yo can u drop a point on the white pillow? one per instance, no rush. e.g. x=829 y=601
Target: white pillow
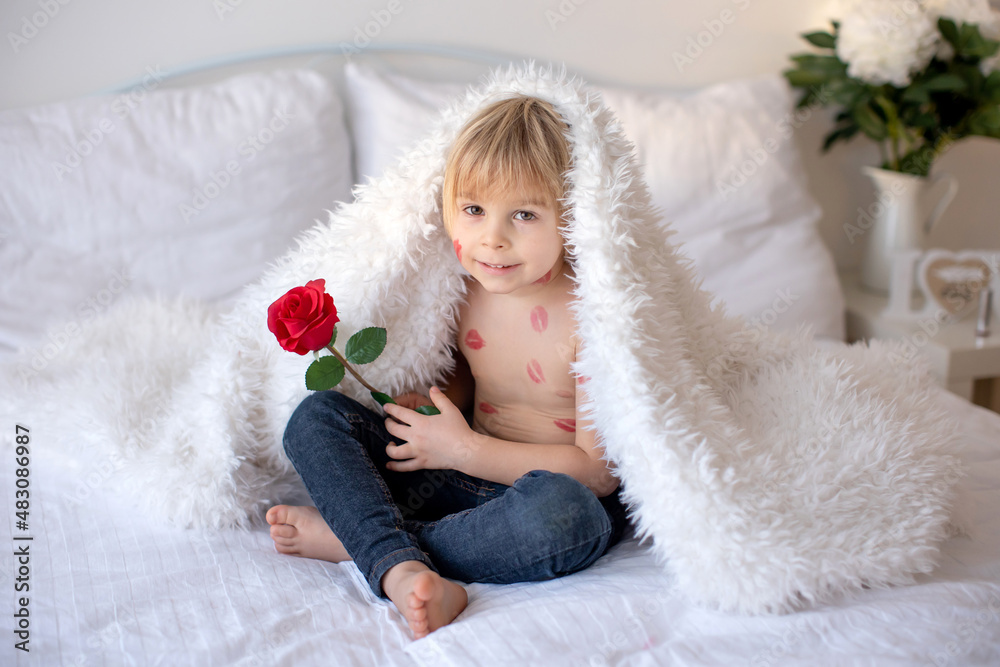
x=752 y=235
x=390 y=112
x=172 y=191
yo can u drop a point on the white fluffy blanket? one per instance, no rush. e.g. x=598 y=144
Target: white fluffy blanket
x=767 y=470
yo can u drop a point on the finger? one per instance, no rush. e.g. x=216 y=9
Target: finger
x=404 y=451
x=400 y=413
x=393 y=424
x=409 y=465
x=441 y=400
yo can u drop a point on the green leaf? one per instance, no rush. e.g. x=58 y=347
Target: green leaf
x=428 y=410
x=840 y=134
x=925 y=120
x=365 y=346
x=822 y=39
x=991 y=87
x=813 y=62
x=870 y=122
x=326 y=373
x=843 y=91
x=918 y=161
x=802 y=78
x=985 y=122
x=949 y=31
x=382 y=398
x=945 y=82
x=917 y=93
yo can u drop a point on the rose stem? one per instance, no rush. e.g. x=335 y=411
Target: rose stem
x=351 y=369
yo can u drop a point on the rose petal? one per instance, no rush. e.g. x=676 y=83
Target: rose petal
x=295 y=326
x=319 y=334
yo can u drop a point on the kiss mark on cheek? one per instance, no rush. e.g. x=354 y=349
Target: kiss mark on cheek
x=539 y=319
x=458 y=249
x=562 y=393
x=487 y=408
x=566 y=424
x=545 y=279
x=474 y=340
x=535 y=372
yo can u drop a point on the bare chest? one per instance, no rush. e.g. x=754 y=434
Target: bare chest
x=520 y=356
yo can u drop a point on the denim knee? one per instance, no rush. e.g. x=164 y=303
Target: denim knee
x=318 y=408
x=564 y=512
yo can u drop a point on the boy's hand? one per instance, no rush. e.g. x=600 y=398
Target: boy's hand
x=433 y=442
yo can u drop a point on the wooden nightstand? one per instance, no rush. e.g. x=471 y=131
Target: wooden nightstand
x=958 y=361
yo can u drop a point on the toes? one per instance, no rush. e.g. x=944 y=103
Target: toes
x=283 y=530
x=415 y=602
x=424 y=586
x=277 y=514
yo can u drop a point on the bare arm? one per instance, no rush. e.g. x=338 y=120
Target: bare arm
x=504 y=462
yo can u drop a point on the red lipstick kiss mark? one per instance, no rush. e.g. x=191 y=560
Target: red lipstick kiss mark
x=544 y=279
x=583 y=379
x=562 y=393
x=458 y=249
x=566 y=424
x=487 y=408
x=539 y=319
x=535 y=372
x=474 y=340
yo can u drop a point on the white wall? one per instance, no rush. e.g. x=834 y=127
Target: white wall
x=89 y=45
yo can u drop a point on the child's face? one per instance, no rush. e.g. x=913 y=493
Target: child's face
x=509 y=242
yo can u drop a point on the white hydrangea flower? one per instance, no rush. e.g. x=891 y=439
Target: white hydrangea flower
x=966 y=11
x=885 y=41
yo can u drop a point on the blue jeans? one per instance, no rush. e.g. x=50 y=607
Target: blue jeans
x=546 y=525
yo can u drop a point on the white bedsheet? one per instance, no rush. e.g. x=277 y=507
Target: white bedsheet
x=108 y=589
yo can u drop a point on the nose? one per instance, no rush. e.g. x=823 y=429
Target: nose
x=495 y=232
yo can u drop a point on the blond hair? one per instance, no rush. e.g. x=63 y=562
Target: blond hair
x=515 y=145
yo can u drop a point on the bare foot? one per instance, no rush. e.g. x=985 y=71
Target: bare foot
x=427 y=600
x=301 y=531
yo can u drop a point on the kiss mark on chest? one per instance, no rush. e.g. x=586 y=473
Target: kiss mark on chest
x=568 y=425
x=486 y=408
x=474 y=340
x=458 y=249
x=539 y=319
x=583 y=379
x=535 y=372
x=562 y=393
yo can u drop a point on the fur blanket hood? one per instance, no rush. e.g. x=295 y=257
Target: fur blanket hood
x=767 y=470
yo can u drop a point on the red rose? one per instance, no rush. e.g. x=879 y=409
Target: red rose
x=303 y=319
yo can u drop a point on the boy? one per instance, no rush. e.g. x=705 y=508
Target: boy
x=520 y=495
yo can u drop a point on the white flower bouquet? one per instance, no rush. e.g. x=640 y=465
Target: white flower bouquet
x=914 y=76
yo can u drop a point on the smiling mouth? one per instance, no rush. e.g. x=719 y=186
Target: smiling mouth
x=497 y=269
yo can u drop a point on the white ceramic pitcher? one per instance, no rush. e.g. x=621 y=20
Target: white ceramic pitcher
x=905 y=211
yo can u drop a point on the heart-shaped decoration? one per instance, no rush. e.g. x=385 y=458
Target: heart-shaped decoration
x=953 y=281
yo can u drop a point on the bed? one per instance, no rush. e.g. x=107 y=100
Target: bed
x=167 y=187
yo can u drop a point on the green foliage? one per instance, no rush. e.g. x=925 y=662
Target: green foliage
x=946 y=101
x=428 y=410
x=324 y=373
x=382 y=398
x=365 y=346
